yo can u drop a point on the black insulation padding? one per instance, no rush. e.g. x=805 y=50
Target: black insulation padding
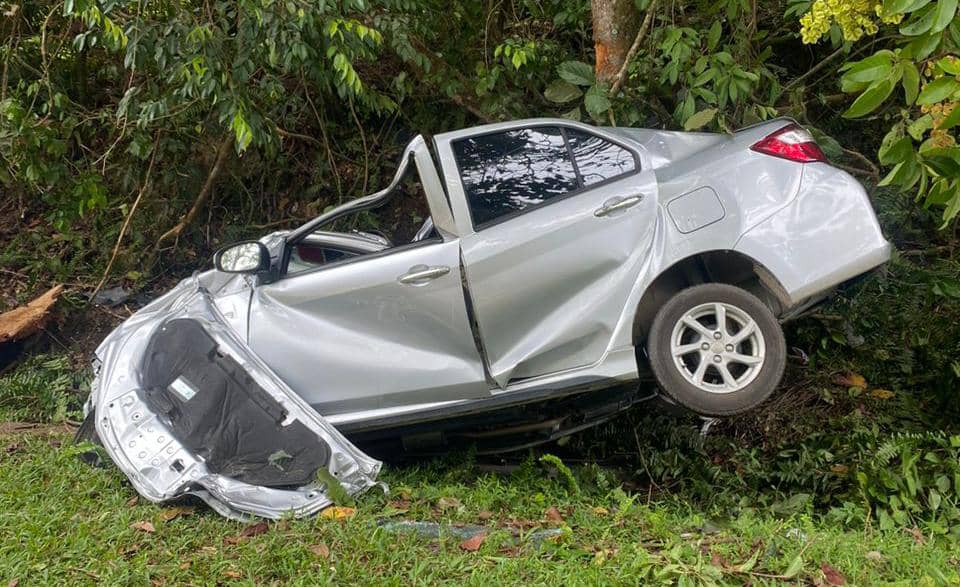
x=229 y=420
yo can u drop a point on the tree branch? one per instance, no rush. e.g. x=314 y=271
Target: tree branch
x=126 y=221
x=226 y=144
x=641 y=35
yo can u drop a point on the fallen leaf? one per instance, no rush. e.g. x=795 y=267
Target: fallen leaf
x=321 y=550
x=553 y=514
x=184 y=565
x=338 y=513
x=831 y=575
x=717 y=560
x=248 y=532
x=175 y=512
x=473 y=543
x=133 y=501
x=399 y=505
x=600 y=511
x=25 y=320
x=917 y=535
x=232 y=574
x=445 y=503
x=485 y=515
x=881 y=394
x=143 y=526
x=874 y=556
x=851 y=379
x=255 y=529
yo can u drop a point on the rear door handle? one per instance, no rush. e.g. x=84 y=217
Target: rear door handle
x=616 y=204
x=422 y=274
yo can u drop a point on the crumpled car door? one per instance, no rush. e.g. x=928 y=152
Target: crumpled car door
x=183 y=407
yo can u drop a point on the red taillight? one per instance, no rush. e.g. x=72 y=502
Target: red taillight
x=791 y=142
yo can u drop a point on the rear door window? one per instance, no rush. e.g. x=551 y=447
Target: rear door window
x=598 y=159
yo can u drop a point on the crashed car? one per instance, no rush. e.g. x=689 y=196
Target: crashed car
x=558 y=264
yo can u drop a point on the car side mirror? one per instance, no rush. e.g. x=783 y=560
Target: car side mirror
x=242 y=257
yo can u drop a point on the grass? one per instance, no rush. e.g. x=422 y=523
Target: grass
x=65 y=522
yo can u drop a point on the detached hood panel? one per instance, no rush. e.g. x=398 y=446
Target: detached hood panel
x=183 y=407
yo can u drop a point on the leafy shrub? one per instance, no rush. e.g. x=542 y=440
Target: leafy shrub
x=914 y=478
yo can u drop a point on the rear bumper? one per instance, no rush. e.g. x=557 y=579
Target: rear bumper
x=828 y=234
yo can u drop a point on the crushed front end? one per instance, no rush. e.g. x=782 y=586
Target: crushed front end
x=183 y=407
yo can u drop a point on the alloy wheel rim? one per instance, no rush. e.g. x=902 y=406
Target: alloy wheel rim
x=717 y=347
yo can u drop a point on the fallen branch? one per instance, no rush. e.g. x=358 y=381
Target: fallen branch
x=23 y=321
x=222 y=151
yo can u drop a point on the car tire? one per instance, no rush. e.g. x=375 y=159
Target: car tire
x=716 y=371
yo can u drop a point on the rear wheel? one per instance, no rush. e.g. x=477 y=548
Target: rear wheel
x=716 y=349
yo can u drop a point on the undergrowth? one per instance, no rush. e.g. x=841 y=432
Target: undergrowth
x=43 y=388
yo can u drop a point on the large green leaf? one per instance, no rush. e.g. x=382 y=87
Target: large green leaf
x=910 y=81
x=700 y=119
x=898 y=6
x=938 y=90
x=921 y=48
x=561 y=91
x=896 y=152
x=950 y=66
x=921 y=22
x=920 y=126
x=596 y=101
x=870 y=69
x=713 y=37
x=952 y=209
x=951 y=120
x=871 y=98
x=945 y=161
x=943 y=14
x=577 y=73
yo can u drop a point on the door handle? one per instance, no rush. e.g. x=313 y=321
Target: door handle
x=615 y=204
x=421 y=274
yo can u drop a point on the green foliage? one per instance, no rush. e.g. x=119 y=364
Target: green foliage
x=919 y=59
x=41 y=389
x=915 y=478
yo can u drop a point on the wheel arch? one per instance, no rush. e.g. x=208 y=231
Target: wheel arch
x=715 y=266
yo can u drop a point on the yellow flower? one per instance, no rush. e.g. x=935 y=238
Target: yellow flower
x=855 y=18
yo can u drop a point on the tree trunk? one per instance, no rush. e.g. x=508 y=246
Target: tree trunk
x=615 y=24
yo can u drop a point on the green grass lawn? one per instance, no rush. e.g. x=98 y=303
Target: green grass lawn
x=64 y=522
